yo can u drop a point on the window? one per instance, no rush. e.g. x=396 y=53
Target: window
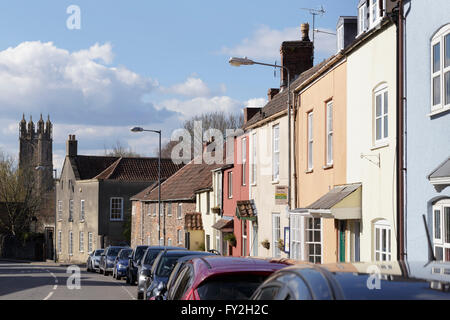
x=254 y=142
x=169 y=209
x=161 y=209
x=179 y=211
x=441 y=230
x=116 y=209
x=90 y=242
x=148 y=240
x=382 y=241
x=59 y=241
x=199 y=202
x=329 y=141
x=154 y=205
x=82 y=210
x=295 y=246
x=71 y=210
x=81 y=241
x=276 y=153
x=381 y=115
x=244 y=160
x=340 y=38
x=70 y=243
x=208 y=202
x=208 y=242
x=149 y=208
x=314 y=240
x=179 y=236
x=440 y=70
x=169 y=241
x=244 y=238
x=276 y=234
x=161 y=241
x=310 y=141
x=59 y=210
x=374 y=12
x=230 y=184
x=362 y=19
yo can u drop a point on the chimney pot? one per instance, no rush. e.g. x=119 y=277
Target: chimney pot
x=304 y=28
x=72 y=146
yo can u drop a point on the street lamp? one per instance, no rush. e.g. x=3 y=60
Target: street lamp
x=139 y=129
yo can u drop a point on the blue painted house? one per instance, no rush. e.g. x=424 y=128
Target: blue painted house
x=428 y=128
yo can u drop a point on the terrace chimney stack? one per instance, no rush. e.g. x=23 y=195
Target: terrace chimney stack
x=72 y=146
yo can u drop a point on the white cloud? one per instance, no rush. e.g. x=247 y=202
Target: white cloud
x=192 y=87
x=265 y=43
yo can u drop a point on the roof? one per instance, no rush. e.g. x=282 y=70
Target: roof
x=246 y=209
x=182 y=185
x=224 y=225
x=334 y=196
x=121 y=168
x=279 y=101
x=442 y=171
x=193 y=221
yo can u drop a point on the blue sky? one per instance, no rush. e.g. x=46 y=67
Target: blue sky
x=149 y=63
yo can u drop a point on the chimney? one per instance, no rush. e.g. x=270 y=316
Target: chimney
x=297 y=56
x=249 y=113
x=71 y=146
x=272 y=92
x=346 y=30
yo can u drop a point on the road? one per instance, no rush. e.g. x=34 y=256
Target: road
x=47 y=281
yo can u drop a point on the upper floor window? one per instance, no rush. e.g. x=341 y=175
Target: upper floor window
x=116 y=209
x=441 y=230
x=340 y=38
x=59 y=209
x=230 y=184
x=169 y=209
x=71 y=210
x=310 y=140
x=329 y=133
x=254 y=142
x=276 y=152
x=82 y=215
x=381 y=119
x=179 y=211
x=244 y=159
x=440 y=70
x=362 y=18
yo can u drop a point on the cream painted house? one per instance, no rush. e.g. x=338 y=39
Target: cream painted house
x=371 y=135
x=204 y=204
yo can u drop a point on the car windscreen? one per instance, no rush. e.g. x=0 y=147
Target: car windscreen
x=166 y=265
x=230 y=287
x=151 y=256
x=98 y=252
x=139 y=253
x=124 y=254
x=113 y=252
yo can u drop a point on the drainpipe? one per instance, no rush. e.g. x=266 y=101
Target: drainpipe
x=400 y=136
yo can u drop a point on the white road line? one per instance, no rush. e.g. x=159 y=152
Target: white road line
x=132 y=297
x=55 y=287
x=49 y=295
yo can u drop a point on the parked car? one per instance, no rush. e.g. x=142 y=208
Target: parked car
x=221 y=278
x=133 y=263
x=107 y=259
x=163 y=267
x=359 y=281
x=121 y=263
x=93 y=261
x=145 y=266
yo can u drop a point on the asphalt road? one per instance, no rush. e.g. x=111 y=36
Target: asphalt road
x=47 y=281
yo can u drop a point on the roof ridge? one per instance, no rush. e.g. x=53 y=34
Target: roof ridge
x=111 y=169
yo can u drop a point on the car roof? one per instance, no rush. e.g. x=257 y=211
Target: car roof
x=165 y=247
x=181 y=252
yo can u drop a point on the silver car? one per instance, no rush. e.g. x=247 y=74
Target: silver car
x=93 y=262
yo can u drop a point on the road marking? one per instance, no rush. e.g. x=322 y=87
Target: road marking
x=55 y=287
x=49 y=295
x=133 y=297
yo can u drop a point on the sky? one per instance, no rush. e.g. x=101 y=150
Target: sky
x=141 y=63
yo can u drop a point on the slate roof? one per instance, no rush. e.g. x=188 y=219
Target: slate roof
x=182 y=185
x=121 y=168
x=193 y=221
x=442 y=171
x=279 y=101
x=334 y=196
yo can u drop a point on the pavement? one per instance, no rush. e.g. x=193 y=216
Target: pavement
x=25 y=280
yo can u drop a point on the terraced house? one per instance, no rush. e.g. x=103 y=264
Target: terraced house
x=93 y=199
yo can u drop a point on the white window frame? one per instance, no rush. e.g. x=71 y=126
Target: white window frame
x=276 y=234
x=313 y=242
x=439 y=38
x=82 y=210
x=296 y=237
x=374 y=13
x=244 y=226
x=111 y=208
x=169 y=209
x=329 y=133
x=443 y=242
x=340 y=38
x=382 y=225
x=310 y=141
x=179 y=236
x=362 y=19
x=276 y=153
x=254 y=157
x=383 y=117
x=90 y=242
x=60 y=204
x=81 y=241
x=244 y=159
x=154 y=206
x=169 y=241
x=70 y=210
x=230 y=184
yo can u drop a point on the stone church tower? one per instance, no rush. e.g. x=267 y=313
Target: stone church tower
x=36 y=154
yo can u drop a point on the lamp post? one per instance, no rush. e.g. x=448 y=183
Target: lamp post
x=139 y=129
x=237 y=62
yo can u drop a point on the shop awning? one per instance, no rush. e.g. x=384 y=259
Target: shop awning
x=342 y=203
x=440 y=177
x=224 y=225
x=246 y=210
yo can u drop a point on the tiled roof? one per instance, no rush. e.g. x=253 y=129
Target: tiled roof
x=279 y=101
x=193 y=221
x=224 y=225
x=245 y=209
x=182 y=185
x=121 y=169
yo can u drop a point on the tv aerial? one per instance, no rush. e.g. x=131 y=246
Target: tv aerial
x=314 y=13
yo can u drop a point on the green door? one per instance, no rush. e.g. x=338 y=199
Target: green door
x=342 y=241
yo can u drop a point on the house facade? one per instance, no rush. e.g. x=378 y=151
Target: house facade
x=93 y=199
x=427 y=84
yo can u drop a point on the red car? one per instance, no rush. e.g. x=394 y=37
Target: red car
x=221 y=278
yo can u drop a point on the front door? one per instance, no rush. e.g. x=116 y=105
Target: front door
x=342 y=241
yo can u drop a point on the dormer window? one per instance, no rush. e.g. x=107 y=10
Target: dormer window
x=340 y=38
x=374 y=12
x=362 y=18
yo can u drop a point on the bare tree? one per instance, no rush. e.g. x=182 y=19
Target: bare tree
x=18 y=196
x=119 y=150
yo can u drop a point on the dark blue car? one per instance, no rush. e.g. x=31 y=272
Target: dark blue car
x=121 y=263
